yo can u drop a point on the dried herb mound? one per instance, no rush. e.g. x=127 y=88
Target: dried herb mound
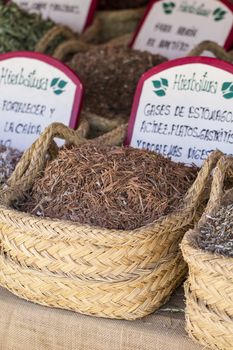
x=110 y=76
x=9 y=157
x=20 y=30
x=121 y=4
x=112 y=187
x=217 y=235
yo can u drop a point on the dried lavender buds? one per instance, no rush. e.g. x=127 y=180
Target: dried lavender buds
x=217 y=235
x=112 y=187
x=9 y=157
x=110 y=76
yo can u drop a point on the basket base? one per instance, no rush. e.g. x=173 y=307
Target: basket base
x=121 y=300
x=207 y=326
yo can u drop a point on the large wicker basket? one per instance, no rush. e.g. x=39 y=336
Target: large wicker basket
x=95 y=271
x=209 y=289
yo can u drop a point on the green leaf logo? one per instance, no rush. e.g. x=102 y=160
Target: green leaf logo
x=227 y=90
x=168 y=7
x=219 y=14
x=58 y=85
x=54 y=81
x=160 y=86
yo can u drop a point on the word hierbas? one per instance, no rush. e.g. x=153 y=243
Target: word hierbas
x=25 y=108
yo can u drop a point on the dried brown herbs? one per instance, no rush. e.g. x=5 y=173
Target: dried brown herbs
x=110 y=75
x=112 y=187
x=217 y=235
x=9 y=157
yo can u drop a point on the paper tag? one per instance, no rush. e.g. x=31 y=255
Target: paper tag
x=76 y=14
x=183 y=109
x=35 y=91
x=173 y=28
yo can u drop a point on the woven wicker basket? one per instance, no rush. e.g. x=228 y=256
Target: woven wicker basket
x=209 y=290
x=96 y=271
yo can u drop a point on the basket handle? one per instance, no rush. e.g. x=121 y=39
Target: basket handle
x=199 y=186
x=34 y=158
x=69 y=47
x=49 y=37
x=223 y=170
x=212 y=47
x=91 y=34
x=78 y=44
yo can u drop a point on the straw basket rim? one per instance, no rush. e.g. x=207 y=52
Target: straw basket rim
x=16 y=215
x=190 y=240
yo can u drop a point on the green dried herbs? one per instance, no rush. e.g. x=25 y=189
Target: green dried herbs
x=112 y=187
x=217 y=235
x=20 y=30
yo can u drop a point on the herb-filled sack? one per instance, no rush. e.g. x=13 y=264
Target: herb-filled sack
x=96 y=229
x=110 y=74
x=208 y=250
x=21 y=31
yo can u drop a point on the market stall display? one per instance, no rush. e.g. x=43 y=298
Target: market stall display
x=105 y=217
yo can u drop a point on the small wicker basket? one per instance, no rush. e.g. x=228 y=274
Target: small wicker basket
x=209 y=289
x=92 y=270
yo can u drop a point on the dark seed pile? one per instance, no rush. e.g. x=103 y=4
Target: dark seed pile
x=217 y=235
x=110 y=76
x=121 y=4
x=112 y=187
x=9 y=157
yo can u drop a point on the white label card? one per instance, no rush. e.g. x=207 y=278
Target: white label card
x=76 y=14
x=173 y=27
x=183 y=109
x=35 y=91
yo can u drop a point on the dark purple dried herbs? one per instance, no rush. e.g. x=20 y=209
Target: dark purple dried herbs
x=217 y=235
x=9 y=157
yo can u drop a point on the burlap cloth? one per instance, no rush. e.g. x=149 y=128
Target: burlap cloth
x=26 y=326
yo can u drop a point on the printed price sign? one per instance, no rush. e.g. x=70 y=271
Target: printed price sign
x=35 y=91
x=173 y=27
x=183 y=109
x=76 y=14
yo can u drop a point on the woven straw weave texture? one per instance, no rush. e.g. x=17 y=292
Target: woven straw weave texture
x=209 y=289
x=96 y=271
